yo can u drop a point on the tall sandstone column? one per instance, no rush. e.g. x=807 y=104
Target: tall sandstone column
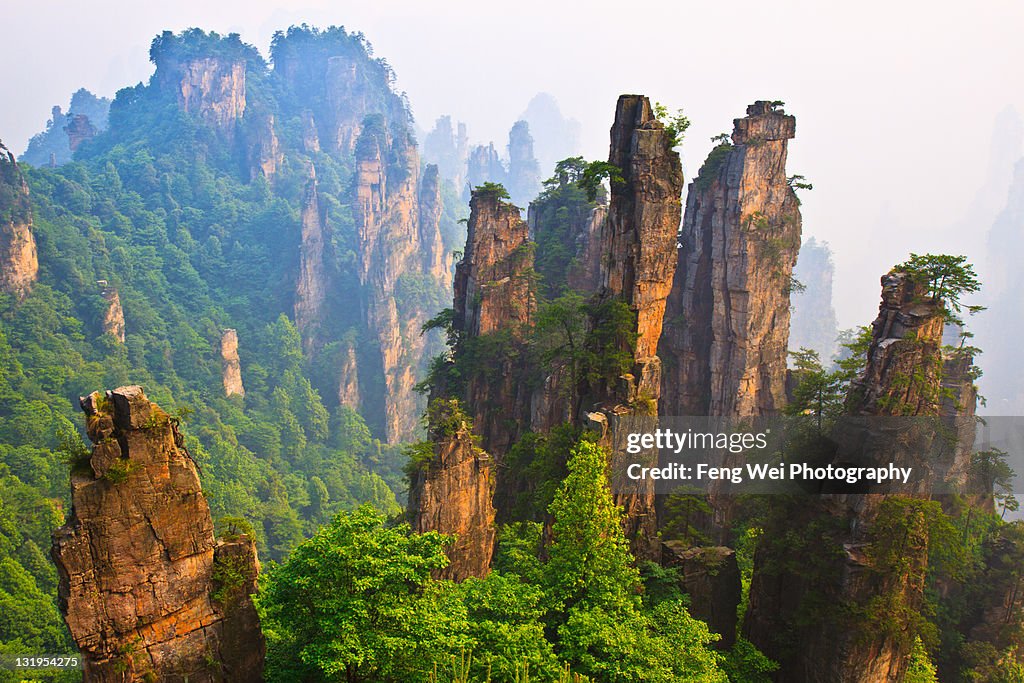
x=401 y=257
x=841 y=573
x=143 y=582
x=638 y=260
x=727 y=326
x=494 y=307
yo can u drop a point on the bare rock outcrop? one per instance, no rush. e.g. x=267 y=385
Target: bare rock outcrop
x=451 y=491
x=232 y=370
x=19 y=263
x=725 y=342
x=523 y=169
x=212 y=88
x=402 y=257
x=894 y=408
x=494 y=299
x=638 y=260
x=265 y=153
x=311 y=287
x=113 y=318
x=140 y=584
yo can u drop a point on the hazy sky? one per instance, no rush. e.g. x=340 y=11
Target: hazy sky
x=895 y=101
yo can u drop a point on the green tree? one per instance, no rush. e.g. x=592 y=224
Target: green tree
x=946 y=278
x=357 y=603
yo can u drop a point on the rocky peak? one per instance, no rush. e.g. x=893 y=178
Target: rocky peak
x=79 y=129
x=452 y=490
x=643 y=218
x=19 y=264
x=138 y=561
x=398 y=223
x=491 y=290
x=232 y=374
x=725 y=345
x=523 y=169
x=638 y=259
x=906 y=342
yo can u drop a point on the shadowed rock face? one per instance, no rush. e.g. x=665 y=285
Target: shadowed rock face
x=141 y=576
x=19 y=264
x=727 y=331
x=452 y=493
x=902 y=378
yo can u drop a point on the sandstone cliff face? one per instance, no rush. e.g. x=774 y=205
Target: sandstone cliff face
x=311 y=288
x=638 y=259
x=19 y=264
x=401 y=258
x=493 y=296
x=265 y=153
x=113 y=319
x=232 y=373
x=483 y=165
x=904 y=364
x=902 y=378
x=79 y=129
x=726 y=339
x=138 y=562
x=211 y=88
x=452 y=493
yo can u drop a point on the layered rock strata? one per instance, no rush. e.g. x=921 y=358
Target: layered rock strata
x=142 y=579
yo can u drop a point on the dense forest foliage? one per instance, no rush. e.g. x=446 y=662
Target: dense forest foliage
x=164 y=209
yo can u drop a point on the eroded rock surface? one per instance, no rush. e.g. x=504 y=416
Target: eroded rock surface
x=232 y=372
x=19 y=263
x=139 y=581
x=452 y=490
x=727 y=332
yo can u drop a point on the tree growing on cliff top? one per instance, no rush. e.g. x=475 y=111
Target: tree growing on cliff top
x=946 y=278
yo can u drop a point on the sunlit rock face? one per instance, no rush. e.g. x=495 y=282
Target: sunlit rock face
x=727 y=333
x=138 y=561
x=19 y=263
